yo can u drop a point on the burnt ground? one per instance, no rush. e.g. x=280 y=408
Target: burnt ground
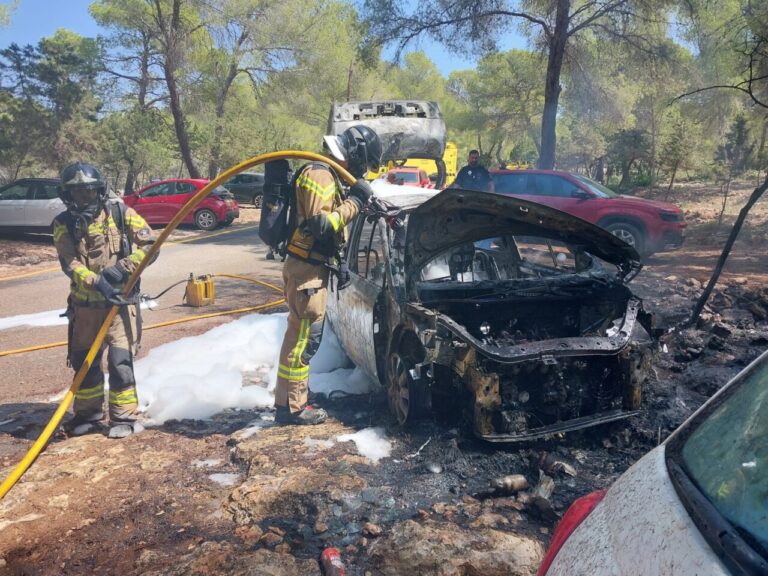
x=237 y=495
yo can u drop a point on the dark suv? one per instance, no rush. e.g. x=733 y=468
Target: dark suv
x=247 y=187
x=647 y=225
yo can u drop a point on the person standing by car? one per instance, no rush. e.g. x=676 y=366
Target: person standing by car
x=99 y=243
x=474 y=176
x=322 y=214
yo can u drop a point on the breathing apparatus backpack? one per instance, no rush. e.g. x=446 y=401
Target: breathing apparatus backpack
x=277 y=215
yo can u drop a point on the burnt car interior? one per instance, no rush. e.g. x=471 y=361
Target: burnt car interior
x=523 y=335
x=509 y=305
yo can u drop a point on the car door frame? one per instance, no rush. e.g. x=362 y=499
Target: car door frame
x=357 y=317
x=12 y=212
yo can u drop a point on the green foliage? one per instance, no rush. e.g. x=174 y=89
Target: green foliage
x=6 y=11
x=737 y=153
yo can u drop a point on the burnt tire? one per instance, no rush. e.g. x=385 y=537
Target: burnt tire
x=405 y=396
x=629 y=233
x=205 y=219
x=258 y=199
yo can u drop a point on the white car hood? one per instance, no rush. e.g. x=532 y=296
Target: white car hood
x=640 y=527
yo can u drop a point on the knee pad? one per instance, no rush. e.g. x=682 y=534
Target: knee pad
x=313 y=342
x=120 y=363
x=94 y=375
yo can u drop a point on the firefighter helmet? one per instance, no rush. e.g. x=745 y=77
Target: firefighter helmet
x=359 y=146
x=81 y=176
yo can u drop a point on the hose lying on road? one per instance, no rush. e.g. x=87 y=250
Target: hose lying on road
x=55 y=420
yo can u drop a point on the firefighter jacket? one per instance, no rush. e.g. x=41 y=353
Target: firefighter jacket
x=96 y=246
x=318 y=191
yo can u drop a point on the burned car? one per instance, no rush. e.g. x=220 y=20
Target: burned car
x=508 y=313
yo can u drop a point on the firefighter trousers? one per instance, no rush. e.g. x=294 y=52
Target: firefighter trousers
x=120 y=341
x=306 y=313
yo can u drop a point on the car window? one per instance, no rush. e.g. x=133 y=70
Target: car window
x=181 y=188
x=595 y=187
x=408 y=176
x=546 y=253
x=46 y=192
x=726 y=455
x=159 y=190
x=510 y=183
x=15 y=192
x=504 y=258
x=371 y=251
x=549 y=185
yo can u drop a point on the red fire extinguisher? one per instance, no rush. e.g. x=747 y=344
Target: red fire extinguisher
x=330 y=561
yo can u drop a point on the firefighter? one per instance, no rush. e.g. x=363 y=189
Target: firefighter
x=322 y=214
x=100 y=242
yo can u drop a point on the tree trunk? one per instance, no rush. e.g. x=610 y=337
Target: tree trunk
x=214 y=165
x=552 y=87
x=170 y=65
x=756 y=194
x=672 y=180
x=130 y=180
x=726 y=191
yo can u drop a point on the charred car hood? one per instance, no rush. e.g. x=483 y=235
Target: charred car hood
x=454 y=217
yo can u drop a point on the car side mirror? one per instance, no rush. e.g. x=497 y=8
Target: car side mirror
x=580 y=194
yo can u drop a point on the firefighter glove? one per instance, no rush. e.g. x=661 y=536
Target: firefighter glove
x=361 y=190
x=344 y=276
x=116 y=274
x=321 y=225
x=110 y=293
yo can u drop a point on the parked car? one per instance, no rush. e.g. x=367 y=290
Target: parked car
x=409 y=176
x=649 y=226
x=694 y=505
x=247 y=187
x=29 y=205
x=508 y=313
x=159 y=202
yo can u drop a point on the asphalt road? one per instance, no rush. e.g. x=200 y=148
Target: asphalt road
x=43 y=373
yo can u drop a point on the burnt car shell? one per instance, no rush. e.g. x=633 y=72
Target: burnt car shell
x=579 y=352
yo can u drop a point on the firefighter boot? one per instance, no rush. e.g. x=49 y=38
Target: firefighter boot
x=84 y=423
x=120 y=429
x=306 y=416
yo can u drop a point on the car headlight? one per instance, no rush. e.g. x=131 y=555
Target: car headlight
x=671 y=216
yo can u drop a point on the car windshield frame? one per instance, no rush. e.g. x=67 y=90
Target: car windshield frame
x=734 y=542
x=595 y=187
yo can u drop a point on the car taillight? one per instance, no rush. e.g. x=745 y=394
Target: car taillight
x=575 y=515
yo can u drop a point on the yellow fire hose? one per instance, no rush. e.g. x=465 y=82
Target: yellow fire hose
x=55 y=420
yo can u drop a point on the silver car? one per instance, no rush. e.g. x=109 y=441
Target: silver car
x=29 y=205
x=697 y=504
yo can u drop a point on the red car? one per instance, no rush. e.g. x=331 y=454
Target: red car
x=409 y=176
x=648 y=225
x=159 y=202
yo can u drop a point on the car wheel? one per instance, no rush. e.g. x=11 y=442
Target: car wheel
x=404 y=395
x=629 y=233
x=257 y=200
x=205 y=219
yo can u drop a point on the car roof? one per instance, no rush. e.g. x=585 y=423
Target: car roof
x=528 y=171
x=406 y=197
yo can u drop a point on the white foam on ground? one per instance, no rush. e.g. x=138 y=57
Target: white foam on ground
x=371 y=443
x=210 y=463
x=49 y=317
x=199 y=376
x=225 y=479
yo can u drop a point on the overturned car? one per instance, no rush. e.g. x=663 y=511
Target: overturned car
x=481 y=306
